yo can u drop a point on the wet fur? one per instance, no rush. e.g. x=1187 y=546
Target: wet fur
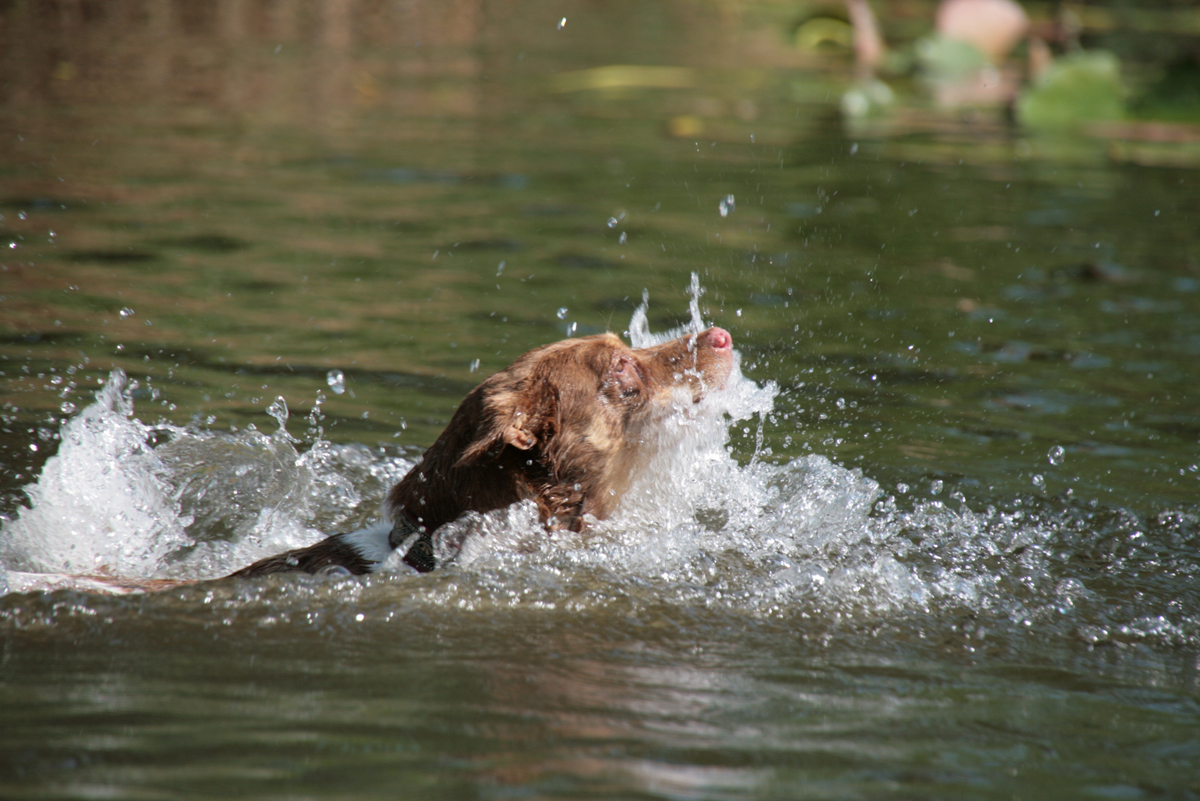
x=566 y=425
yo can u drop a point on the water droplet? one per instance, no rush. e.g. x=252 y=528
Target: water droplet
x=474 y=365
x=841 y=403
x=571 y=329
x=623 y=238
x=902 y=488
x=336 y=380
x=726 y=206
x=279 y=410
x=935 y=487
x=612 y=222
x=562 y=313
x=500 y=269
x=1056 y=455
x=562 y=23
x=126 y=312
x=67 y=407
x=1039 y=481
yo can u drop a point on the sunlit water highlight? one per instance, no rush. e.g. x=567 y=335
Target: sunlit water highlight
x=802 y=540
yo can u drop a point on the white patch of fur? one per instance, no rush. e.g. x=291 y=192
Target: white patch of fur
x=371 y=543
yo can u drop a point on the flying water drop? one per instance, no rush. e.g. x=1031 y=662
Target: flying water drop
x=336 y=380
x=279 y=410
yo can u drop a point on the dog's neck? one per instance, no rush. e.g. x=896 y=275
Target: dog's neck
x=438 y=491
x=435 y=493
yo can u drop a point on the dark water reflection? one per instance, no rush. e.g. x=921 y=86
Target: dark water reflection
x=208 y=698
x=230 y=200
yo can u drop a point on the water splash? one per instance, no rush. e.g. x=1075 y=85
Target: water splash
x=199 y=504
x=806 y=541
x=99 y=504
x=640 y=335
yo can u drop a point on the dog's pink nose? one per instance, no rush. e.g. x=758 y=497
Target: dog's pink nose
x=720 y=339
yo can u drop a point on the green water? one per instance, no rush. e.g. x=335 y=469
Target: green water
x=227 y=202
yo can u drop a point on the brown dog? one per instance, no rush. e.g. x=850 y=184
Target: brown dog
x=566 y=425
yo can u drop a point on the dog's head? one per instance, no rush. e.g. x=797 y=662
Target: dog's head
x=580 y=404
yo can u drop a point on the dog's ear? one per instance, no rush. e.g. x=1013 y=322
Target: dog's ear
x=517 y=435
x=513 y=418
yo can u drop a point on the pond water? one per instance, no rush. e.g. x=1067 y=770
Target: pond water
x=941 y=537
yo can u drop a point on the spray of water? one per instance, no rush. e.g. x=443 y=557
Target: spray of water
x=805 y=539
x=197 y=505
x=104 y=482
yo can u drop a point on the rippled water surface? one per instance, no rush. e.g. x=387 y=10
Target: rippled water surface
x=939 y=538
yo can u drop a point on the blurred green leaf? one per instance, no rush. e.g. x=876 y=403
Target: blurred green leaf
x=1080 y=87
